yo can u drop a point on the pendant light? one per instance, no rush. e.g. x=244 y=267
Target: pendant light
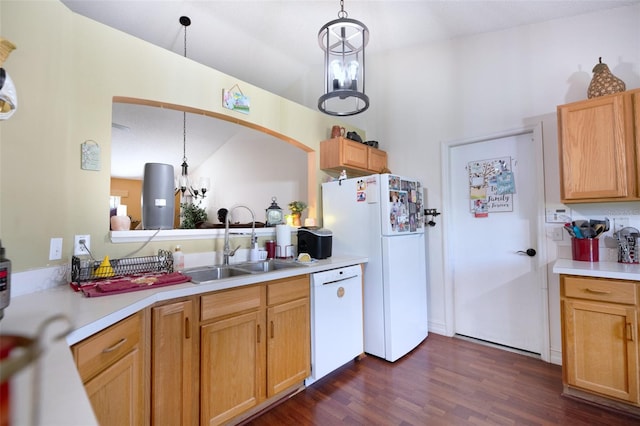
x=343 y=41
x=184 y=182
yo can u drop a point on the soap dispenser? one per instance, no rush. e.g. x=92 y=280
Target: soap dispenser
x=254 y=254
x=178 y=259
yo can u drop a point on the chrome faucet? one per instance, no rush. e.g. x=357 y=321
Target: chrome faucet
x=226 y=251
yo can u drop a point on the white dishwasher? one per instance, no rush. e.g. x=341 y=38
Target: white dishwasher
x=336 y=319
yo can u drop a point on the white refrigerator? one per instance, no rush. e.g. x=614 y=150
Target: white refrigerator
x=381 y=217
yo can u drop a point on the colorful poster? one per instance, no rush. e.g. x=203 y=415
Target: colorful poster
x=491 y=186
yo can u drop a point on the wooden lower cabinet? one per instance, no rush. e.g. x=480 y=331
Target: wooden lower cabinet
x=174 y=364
x=248 y=348
x=113 y=392
x=288 y=342
x=232 y=367
x=600 y=337
x=110 y=364
x=255 y=344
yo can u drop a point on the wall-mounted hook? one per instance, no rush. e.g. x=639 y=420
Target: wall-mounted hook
x=431 y=214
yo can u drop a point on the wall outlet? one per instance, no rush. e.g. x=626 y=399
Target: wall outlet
x=619 y=223
x=55 y=249
x=80 y=249
x=556 y=233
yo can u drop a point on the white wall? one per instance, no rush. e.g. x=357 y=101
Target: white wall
x=251 y=172
x=67 y=69
x=485 y=84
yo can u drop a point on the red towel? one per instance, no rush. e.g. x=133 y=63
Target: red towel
x=133 y=283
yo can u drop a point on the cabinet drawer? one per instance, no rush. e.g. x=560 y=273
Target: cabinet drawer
x=287 y=289
x=229 y=302
x=600 y=289
x=96 y=353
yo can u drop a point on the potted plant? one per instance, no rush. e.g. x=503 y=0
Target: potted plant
x=297 y=207
x=192 y=215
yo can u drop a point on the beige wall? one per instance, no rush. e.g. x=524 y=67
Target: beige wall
x=67 y=69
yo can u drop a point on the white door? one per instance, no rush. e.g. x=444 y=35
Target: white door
x=498 y=289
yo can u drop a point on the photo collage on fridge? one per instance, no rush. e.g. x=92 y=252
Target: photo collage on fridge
x=405 y=198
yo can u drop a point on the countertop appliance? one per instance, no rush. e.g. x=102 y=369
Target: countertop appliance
x=5 y=281
x=336 y=319
x=315 y=241
x=380 y=216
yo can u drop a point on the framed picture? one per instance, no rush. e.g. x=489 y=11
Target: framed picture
x=236 y=101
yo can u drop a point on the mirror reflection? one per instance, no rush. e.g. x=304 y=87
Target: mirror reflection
x=239 y=165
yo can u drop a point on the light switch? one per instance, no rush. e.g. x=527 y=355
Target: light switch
x=55 y=249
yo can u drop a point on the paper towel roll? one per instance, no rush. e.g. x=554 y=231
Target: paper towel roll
x=283 y=235
x=283 y=239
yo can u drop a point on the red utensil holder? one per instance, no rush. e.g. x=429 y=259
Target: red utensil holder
x=585 y=249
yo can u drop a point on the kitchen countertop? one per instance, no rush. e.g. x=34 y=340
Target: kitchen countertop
x=623 y=271
x=62 y=399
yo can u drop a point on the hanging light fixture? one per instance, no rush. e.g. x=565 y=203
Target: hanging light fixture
x=184 y=182
x=343 y=41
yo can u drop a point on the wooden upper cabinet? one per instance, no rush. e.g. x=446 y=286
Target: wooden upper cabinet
x=356 y=158
x=377 y=160
x=597 y=146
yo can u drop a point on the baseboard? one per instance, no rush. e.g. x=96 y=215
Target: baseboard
x=555 y=357
x=602 y=402
x=438 y=328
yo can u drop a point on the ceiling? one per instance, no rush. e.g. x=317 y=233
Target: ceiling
x=281 y=36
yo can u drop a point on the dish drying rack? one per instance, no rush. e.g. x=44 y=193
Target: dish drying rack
x=83 y=270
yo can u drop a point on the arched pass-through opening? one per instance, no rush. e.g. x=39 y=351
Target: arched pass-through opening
x=311 y=155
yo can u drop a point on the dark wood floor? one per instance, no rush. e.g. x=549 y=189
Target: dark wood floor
x=445 y=381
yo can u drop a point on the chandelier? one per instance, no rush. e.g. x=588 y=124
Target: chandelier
x=343 y=41
x=184 y=182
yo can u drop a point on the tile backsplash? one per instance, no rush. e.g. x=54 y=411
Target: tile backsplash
x=620 y=215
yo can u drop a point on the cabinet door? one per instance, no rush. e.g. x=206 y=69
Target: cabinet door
x=172 y=365
x=288 y=347
x=354 y=154
x=232 y=363
x=600 y=352
x=116 y=392
x=377 y=160
x=595 y=140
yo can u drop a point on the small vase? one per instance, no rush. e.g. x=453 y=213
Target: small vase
x=120 y=223
x=296 y=219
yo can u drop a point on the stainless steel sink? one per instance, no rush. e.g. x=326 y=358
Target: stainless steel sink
x=266 y=266
x=212 y=273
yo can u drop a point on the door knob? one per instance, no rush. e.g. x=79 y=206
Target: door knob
x=530 y=252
